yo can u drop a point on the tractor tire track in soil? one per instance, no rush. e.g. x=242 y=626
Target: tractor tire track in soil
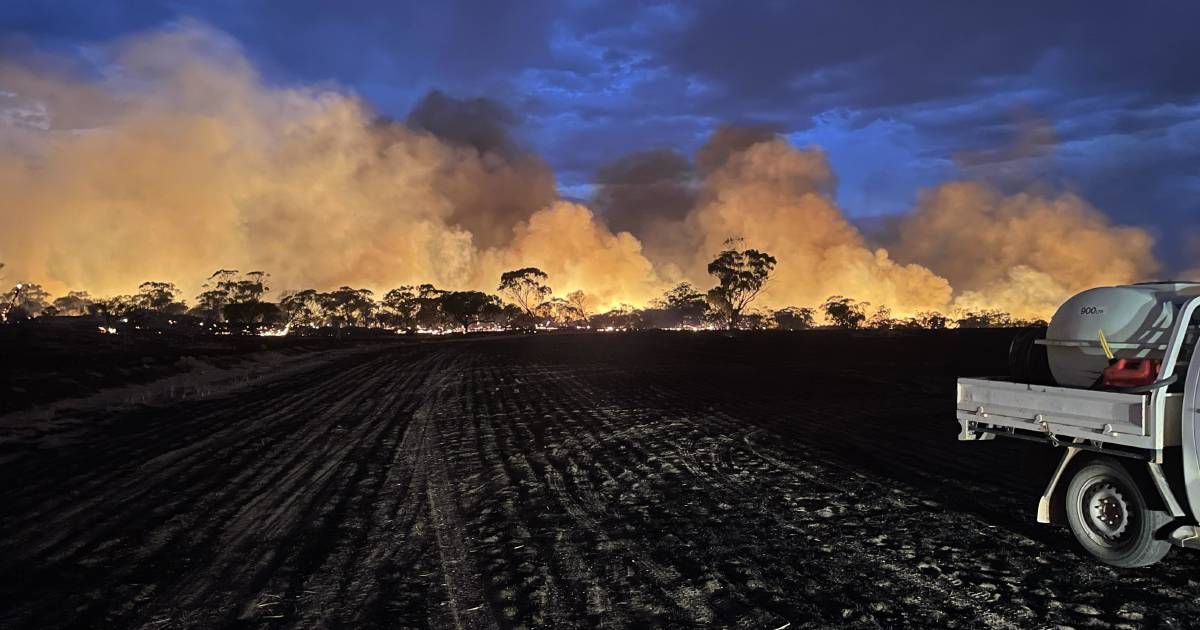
x=569 y=481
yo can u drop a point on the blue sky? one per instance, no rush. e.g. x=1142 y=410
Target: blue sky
x=1102 y=98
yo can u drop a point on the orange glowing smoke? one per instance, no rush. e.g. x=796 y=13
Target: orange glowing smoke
x=180 y=160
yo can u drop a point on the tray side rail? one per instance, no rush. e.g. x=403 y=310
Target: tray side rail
x=1058 y=412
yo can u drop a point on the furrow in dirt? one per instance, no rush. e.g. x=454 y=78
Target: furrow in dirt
x=555 y=481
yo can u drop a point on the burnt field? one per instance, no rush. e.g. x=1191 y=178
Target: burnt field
x=629 y=480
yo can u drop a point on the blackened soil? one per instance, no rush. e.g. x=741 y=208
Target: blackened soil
x=642 y=480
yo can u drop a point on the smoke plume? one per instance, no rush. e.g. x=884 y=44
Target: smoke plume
x=172 y=157
x=964 y=247
x=647 y=193
x=779 y=198
x=567 y=242
x=514 y=180
x=178 y=159
x=1025 y=252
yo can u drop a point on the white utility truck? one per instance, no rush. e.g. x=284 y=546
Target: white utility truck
x=1114 y=380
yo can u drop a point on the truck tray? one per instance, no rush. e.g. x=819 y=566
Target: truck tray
x=1110 y=417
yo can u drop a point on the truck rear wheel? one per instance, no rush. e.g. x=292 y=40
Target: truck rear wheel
x=1110 y=517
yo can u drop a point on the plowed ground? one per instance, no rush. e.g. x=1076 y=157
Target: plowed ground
x=649 y=480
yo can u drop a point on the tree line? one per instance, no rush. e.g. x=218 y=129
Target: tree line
x=523 y=299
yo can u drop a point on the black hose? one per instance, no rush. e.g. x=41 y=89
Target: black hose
x=1027 y=360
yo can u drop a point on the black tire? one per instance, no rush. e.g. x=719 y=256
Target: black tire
x=1110 y=517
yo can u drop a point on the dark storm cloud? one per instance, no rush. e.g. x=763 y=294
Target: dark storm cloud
x=962 y=73
x=68 y=22
x=391 y=51
x=914 y=52
x=963 y=76
x=401 y=42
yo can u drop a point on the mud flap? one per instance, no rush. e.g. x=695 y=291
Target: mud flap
x=1164 y=490
x=1045 y=509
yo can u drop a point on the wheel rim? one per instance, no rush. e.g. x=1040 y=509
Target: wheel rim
x=1106 y=513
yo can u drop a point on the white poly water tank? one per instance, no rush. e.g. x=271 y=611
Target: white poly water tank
x=1136 y=320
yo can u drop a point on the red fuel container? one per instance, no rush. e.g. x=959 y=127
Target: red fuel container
x=1132 y=372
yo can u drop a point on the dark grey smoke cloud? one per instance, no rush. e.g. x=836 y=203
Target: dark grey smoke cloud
x=728 y=140
x=641 y=190
x=481 y=123
x=520 y=181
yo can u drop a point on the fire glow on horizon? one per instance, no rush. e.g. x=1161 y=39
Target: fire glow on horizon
x=182 y=160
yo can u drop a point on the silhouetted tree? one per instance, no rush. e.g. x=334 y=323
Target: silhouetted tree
x=398 y=308
x=932 y=320
x=985 y=319
x=756 y=320
x=116 y=306
x=25 y=300
x=252 y=315
x=251 y=287
x=583 y=305
x=228 y=286
x=845 y=312
x=562 y=312
x=741 y=274
x=467 y=307
x=795 y=318
x=412 y=305
x=74 y=303
x=238 y=298
x=624 y=317
x=526 y=288
x=514 y=317
x=303 y=308
x=882 y=319
x=349 y=306
x=215 y=294
x=682 y=304
x=159 y=297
